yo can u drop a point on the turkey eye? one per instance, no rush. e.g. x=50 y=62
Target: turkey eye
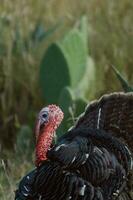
x=44 y=115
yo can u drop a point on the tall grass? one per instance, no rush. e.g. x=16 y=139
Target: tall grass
x=11 y=171
x=111 y=39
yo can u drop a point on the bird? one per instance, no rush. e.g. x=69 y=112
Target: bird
x=92 y=160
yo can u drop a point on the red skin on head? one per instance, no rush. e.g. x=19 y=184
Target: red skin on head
x=46 y=134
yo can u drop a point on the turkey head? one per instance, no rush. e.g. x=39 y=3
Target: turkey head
x=48 y=120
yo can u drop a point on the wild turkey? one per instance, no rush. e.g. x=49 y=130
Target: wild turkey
x=88 y=162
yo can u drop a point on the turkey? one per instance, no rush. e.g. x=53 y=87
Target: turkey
x=92 y=161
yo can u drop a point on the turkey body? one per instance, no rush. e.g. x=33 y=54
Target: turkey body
x=95 y=168
x=92 y=161
x=51 y=182
x=107 y=164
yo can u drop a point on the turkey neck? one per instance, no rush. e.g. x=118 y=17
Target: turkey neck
x=43 y=143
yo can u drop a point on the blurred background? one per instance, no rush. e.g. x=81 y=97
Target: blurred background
x=67 y=52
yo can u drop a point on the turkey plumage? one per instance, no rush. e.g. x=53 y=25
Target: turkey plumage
x=91 y=161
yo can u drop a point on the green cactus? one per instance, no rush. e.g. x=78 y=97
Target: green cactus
x=87 y=83
x=80 y=104
x=74 y=50
x=63 y=65
x=66 y=102
x=83 y=27
x=66 y=99
x=72 y=108
x=54 y=74
x=124 y=83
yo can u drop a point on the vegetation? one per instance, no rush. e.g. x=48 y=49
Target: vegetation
x=59 y=52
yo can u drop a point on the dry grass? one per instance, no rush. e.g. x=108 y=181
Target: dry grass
x=11 y=172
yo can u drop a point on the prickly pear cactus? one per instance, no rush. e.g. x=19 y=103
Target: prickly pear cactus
x=66 y=102
x=79 y=104
x=64 y=64
x=66 y=99
x=54 y=74
x=74 y=50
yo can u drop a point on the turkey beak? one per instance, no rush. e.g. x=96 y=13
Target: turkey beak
x=40 y=124
x=37 y=128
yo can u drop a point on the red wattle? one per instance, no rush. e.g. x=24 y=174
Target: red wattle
x=43 y=144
